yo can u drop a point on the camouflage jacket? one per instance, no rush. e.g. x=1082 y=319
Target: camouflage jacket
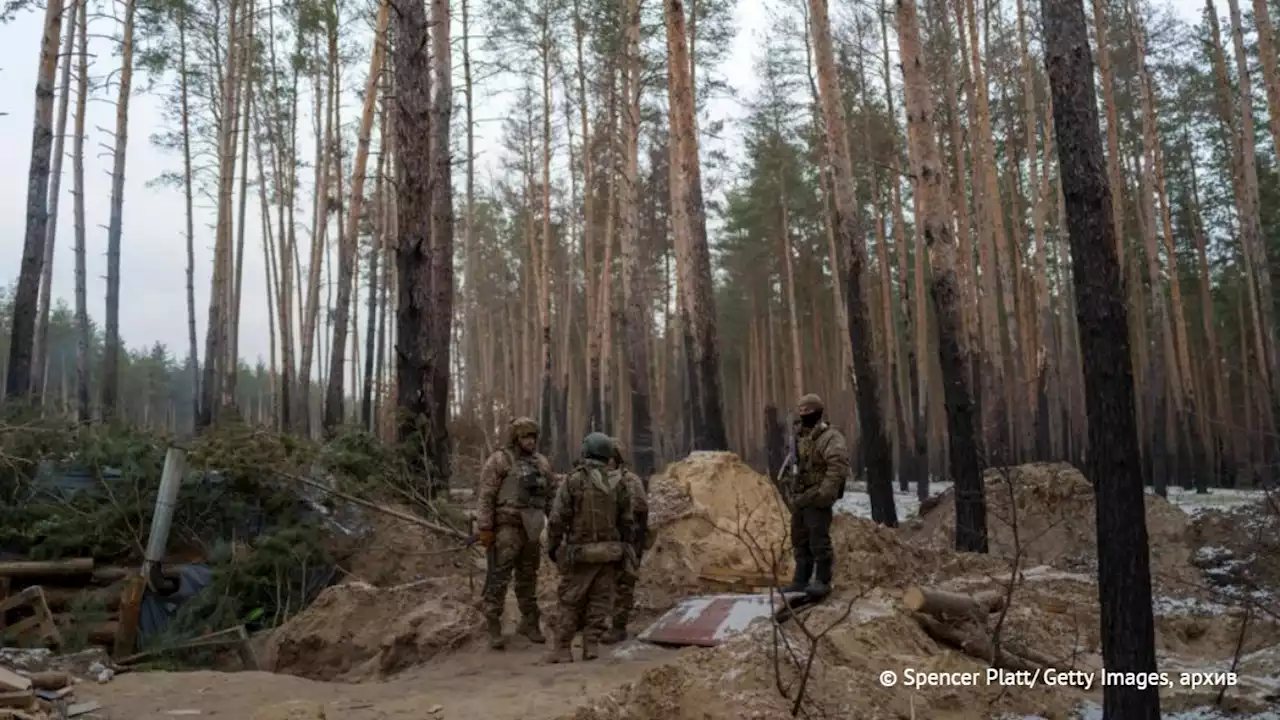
x=591 y=505
x=822 y=464
x=639 y=504
x=512 y=481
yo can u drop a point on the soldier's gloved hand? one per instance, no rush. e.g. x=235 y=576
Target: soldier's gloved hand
x=485 y=538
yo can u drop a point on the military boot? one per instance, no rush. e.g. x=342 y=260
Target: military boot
x=559 y=653
x=800 y=581
x=615 y=634
x=494 y=627
x=589 y=648
x=529 y=628
x=821 y=585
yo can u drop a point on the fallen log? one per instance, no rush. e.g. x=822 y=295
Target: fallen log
x=974 y=643
x=46 y=568
x=62 y=598
x=943 y=604
x=111 y=574
x=51 y=680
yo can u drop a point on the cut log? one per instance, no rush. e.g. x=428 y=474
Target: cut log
x=943 y=604
x=111 y=574
x=23 y=699
x=46 y=568
x=51 y=680
x=974 y=643
x=13 y=682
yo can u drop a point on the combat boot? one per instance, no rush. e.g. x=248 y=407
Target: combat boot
x=821 y=585
x=800 y=581
x=615 y=634
x=494 y=627
x=558 y=653
x=589 y=648
x=529 y=628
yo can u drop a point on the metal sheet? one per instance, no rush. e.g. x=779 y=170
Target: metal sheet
x=709 y=620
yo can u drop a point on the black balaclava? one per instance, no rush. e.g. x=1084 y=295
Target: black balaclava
x=811 y=419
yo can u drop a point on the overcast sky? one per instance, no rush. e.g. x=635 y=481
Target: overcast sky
x=153 y=257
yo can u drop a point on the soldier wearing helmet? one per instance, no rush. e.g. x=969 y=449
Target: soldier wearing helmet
x=822 y=467
x=589 y=533
x=516 y=487
x=625 y=597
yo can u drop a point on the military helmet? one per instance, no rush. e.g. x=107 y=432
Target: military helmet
x=809 y=404
x=598 y=446
x=619 y=447
x=523 y=427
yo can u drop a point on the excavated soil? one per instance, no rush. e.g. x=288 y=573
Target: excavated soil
x=395 y=552
x=1240 y=548
x=1045 y=513
x=355 y=631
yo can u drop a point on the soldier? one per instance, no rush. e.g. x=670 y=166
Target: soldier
x=821 y=469
x=625 y=598
x=588 y=534
x=516 y=486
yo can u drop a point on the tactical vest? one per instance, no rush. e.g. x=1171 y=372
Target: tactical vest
x=594 y=536
x=525 y=485
x=810 y=468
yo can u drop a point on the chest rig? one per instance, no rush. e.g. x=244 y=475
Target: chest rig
x=525 y=485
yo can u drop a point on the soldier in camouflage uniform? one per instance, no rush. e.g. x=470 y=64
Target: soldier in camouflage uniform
x=625 y=597
x=822 y=467
x=516 y=486
x=588 y=536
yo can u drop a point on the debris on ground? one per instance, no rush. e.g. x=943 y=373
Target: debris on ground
x=41 y=695
x=1239 y=548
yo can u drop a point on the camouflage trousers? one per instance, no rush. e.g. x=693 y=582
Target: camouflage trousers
x=513 y=552
x=585 y=595
x=625 y=596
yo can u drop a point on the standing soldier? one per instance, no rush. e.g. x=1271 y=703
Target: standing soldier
x=588 y=537
x=516 y=486
x=821 y=469
x=629 y=574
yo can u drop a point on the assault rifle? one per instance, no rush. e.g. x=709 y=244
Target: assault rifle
x=785 y=481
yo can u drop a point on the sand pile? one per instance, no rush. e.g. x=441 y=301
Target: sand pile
x=1051 y=505
x=737 y=679
x=354 y=631
x=711 y=510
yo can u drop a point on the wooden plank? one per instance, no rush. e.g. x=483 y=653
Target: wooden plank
x=45 y=568
x=20 y=699
x=13 y=682
x=15 y=601
x=130 y=608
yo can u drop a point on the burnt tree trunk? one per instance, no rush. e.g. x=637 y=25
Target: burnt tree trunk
x=1124 y=571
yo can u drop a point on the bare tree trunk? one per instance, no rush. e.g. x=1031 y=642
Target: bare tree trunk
x=111 y=345
x=193 y=348
x=233 y=320
x=83 y=410
x=848 y=226
x=377 y=250
x=27 y=296
x=953 y=354
x=41 y=361
x=348 y=250
x=441 y=189
x=1124 y=574
x=711 y=433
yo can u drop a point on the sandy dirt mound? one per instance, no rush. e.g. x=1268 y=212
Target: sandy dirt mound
x=712 y=510
x=1051 y=505
x=738 y=680
x=395 y=552
x=355 y=631
x=1239 y=549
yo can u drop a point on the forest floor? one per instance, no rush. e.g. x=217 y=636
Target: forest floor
x=402 y=639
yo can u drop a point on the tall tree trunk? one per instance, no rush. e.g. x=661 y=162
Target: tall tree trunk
x=414 y=354
x=233 y=319
x=41 y=361
x=377 y=251
x=83 y=410
x=848 y=226
x=193 y=348
x=1124 y=573
x=953 y=354
x=27 y=296
x=543 y=262
x=348 y=250
x=711 y=433
x=636 y=317
x=115 y=226
x=441 y=188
